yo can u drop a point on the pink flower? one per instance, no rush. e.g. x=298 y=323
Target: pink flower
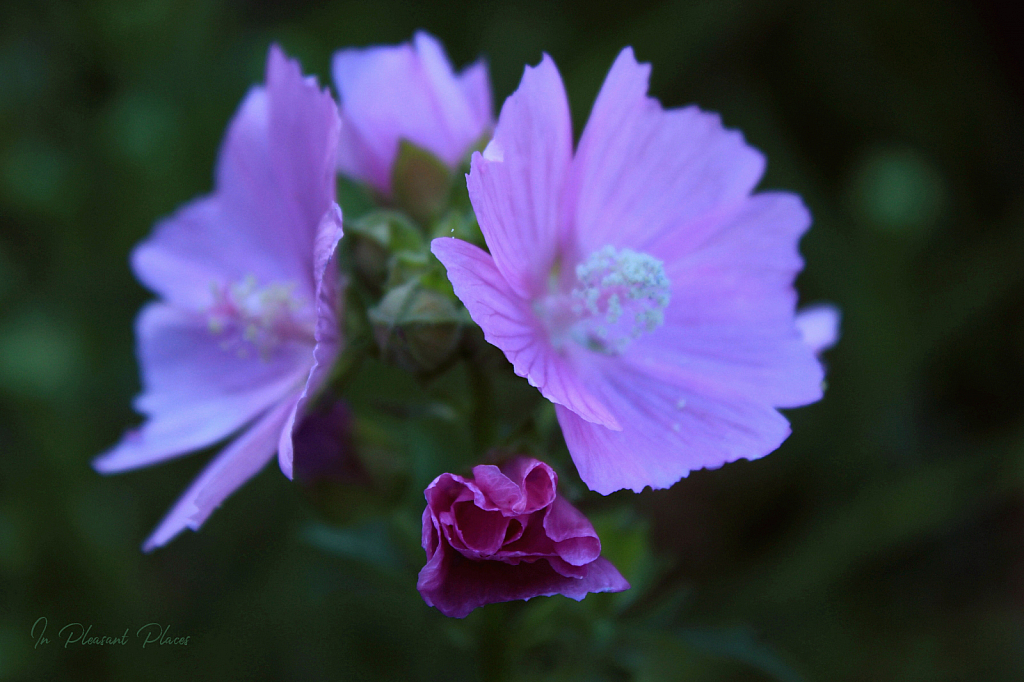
x=407 y=92
x=504 y=535
x=246 y=329
x=637 y=282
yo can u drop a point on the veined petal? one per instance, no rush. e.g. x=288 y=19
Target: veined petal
x=641 y=171
x=516 y=184
x=239 y=462
x=328 y=338
x=509 y=323
x=668 y=431
x=275 y=178
x=304 y=130
x=195 y=392
x=729 y=326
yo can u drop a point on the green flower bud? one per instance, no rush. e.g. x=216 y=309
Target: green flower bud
x=416 y=328
x=377 y=238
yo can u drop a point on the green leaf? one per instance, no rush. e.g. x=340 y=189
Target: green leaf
x=368 y=543
x=740 y=644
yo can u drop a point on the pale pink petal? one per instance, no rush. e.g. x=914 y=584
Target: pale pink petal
x=641 y=172
x=456 y=113
x=476 y=86
x=304 y=130
x=819 y=326
x=405 y=92
x=509 y=324
x=729 y=324
x=517 y=183
x=274 y=180
x=379 y=87
x=239 y=462
x=668 y=431
x=194 y=391
x=326 y=331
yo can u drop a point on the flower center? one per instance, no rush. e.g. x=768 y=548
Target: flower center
x=618 y=296
x=253 y=318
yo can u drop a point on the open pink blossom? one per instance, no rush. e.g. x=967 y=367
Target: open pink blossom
x=407 y=92
x=246 y=329
x=504 y=535
x=638 y=282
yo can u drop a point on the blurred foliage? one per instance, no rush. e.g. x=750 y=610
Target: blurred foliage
x=883 y=541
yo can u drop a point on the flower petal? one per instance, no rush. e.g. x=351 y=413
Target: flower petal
x=275 y=178
x=509 y=324
x=516 y=184
x=574 y=536
x=641 y=171
x=500 y=493
x=729 y=324
x=326 y=332
x=819 y=326
x=406 y=92
x=196 y=392
x=668 y=431
x=476 y=86
x=537 y=481
x=458 y=121
x=480 y=530
x=457 y=585
x=239 y=462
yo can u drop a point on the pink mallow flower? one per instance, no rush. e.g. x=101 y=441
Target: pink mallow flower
x=407 y=92
x=637 y=282
x=246 y=329
x=505 y=534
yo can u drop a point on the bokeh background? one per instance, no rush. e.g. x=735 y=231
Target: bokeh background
x=883 y=541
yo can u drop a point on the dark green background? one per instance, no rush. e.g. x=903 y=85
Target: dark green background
x=883 y=541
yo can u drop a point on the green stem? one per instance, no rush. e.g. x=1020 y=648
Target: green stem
x=483 y=406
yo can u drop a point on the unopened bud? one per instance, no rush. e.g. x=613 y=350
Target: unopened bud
x=377 y=238
x=416 y=328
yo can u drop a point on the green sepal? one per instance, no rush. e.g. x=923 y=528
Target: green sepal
x=376 y=238
x=416 y=327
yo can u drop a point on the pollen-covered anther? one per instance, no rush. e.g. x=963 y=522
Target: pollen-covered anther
x=619 y=295
x=257 y=318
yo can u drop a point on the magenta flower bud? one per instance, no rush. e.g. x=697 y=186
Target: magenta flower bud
x=407 y=92
x=505 y=534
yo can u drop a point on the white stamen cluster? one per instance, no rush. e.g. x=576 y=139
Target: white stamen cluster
x=620 y=294
x=253 y=317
